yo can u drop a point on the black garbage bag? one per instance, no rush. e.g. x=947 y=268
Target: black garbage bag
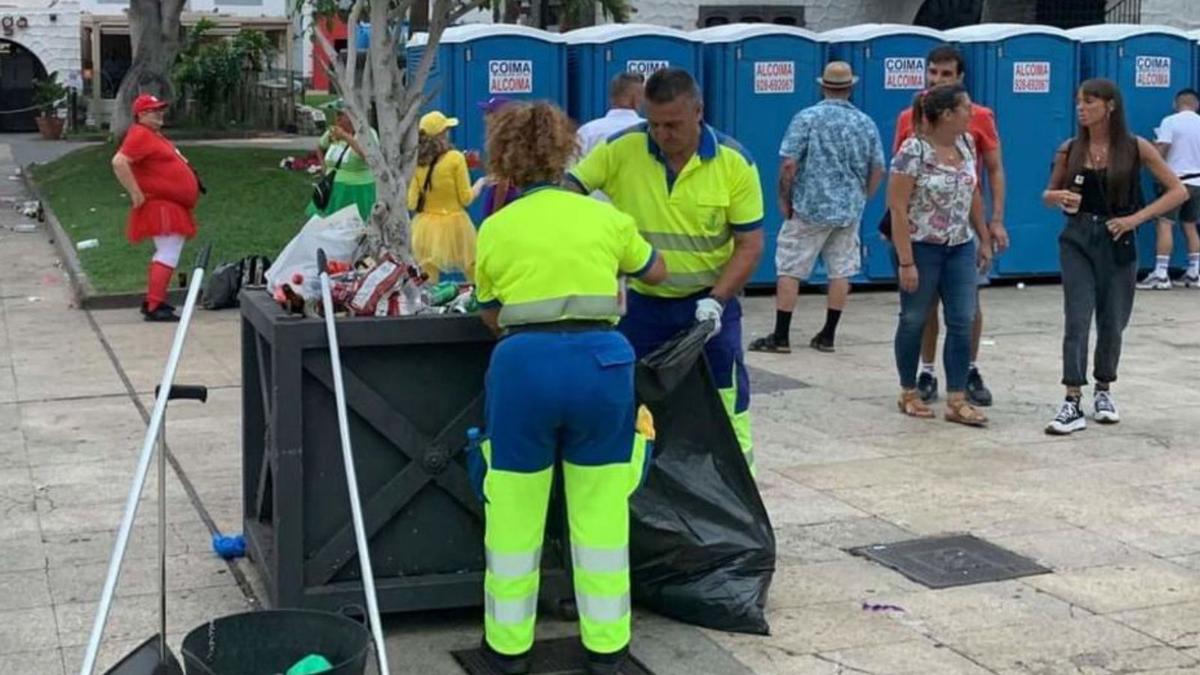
x=702 y=549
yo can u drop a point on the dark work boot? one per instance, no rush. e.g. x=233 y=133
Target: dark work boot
x=504 y=664
x=607 y=664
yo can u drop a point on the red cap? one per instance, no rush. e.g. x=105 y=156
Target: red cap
x=148 y=103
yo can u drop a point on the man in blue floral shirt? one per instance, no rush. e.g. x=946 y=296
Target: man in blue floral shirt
x=832 y=162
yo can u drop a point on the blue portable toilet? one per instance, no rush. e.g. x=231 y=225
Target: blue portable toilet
x=889 y=60
x=597 y=53
x=1027 y=75
x=757 y=76
x=477 y=62
x=1149 y=64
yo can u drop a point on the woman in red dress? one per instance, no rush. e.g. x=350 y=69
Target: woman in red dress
x=163 y=190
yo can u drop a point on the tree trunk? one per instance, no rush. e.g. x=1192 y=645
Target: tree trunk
x=155 y=35
x=395 y=98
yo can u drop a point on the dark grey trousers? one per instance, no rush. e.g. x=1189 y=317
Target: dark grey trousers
x=1099 y=278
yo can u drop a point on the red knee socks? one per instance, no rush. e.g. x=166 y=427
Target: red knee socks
x=157 y=283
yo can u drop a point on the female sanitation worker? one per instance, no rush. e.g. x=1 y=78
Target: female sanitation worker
x=560 y=385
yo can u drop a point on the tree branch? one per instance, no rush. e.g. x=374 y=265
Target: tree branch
x=352 y=42
x=464 y=9
x=437 y=25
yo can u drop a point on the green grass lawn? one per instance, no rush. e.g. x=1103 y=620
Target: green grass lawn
x=252 y=207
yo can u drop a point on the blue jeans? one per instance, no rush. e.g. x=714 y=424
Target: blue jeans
x=948 y=272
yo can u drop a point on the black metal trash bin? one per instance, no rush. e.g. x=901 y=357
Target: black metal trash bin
x=414 y=386
x=274 y=641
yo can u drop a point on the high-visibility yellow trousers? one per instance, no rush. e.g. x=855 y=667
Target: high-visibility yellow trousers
x=560 y=397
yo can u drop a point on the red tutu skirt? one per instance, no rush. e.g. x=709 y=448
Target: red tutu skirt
x=157 y=218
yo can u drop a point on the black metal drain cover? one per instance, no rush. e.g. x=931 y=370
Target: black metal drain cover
x=766 y=382
x=562 y=656
x=944 y=562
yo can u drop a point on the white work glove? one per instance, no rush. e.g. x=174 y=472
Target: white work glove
x=709 y=309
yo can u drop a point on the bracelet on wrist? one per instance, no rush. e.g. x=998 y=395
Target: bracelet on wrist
x=911 y=264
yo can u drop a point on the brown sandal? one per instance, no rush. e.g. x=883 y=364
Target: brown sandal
x=910 y=404
x=961 y=412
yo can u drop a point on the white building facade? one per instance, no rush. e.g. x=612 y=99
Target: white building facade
x=819 y=15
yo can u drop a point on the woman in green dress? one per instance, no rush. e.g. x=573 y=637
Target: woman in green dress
x=354 y=183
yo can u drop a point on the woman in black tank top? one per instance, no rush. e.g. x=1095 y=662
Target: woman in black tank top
x=1096 y=182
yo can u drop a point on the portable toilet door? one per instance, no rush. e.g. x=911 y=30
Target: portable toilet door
x=477 y=62
x=598 y=53
x=1150 y=64
x=1027 y=75
x=889 y=60
x=757 y=76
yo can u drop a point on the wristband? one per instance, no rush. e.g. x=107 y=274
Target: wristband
x=911 y=264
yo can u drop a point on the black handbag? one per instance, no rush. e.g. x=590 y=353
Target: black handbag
x=323 y=189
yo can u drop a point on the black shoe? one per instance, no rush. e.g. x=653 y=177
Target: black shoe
x=1068 y=420
x=771 y=345
x=163 y=314
x=607 y=664
x=145 y=305
x=504 y=664
x=927 y=387
x=977 y=392
x=822 y=343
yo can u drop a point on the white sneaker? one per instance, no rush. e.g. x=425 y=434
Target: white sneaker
x=1106 y=408
x=1155 y=282
x=1189 y=281
x=1069 y=419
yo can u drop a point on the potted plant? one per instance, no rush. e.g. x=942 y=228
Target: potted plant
x=48 y=94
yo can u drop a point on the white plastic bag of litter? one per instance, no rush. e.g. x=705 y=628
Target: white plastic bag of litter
x=338 y=233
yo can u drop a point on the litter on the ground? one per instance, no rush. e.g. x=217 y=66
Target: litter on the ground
x=88 y=243
x=229 y=547
x=871 y=607
x=24 y=228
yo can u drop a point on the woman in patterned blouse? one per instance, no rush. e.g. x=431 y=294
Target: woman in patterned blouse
x=937 y=213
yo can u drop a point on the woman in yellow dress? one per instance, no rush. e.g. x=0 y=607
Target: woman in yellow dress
x=443 y=235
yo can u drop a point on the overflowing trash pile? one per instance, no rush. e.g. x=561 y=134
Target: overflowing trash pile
x=361 y=285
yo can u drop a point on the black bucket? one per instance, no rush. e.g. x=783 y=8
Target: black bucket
x=273 y=641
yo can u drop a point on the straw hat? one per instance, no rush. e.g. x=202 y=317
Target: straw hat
x=838 y=75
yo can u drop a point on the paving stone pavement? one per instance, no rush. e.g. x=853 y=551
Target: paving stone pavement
x=1113 y=511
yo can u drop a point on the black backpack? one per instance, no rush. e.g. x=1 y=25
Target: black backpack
x=228 y=279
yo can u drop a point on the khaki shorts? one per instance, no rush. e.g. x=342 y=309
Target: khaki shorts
x=799 y=245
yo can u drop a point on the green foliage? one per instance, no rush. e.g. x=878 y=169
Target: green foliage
x=210 y=70
x=48 y=92
x=613 y=10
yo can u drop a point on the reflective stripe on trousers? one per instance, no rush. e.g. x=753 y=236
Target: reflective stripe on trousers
x=598 y=512
x=510 y=586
